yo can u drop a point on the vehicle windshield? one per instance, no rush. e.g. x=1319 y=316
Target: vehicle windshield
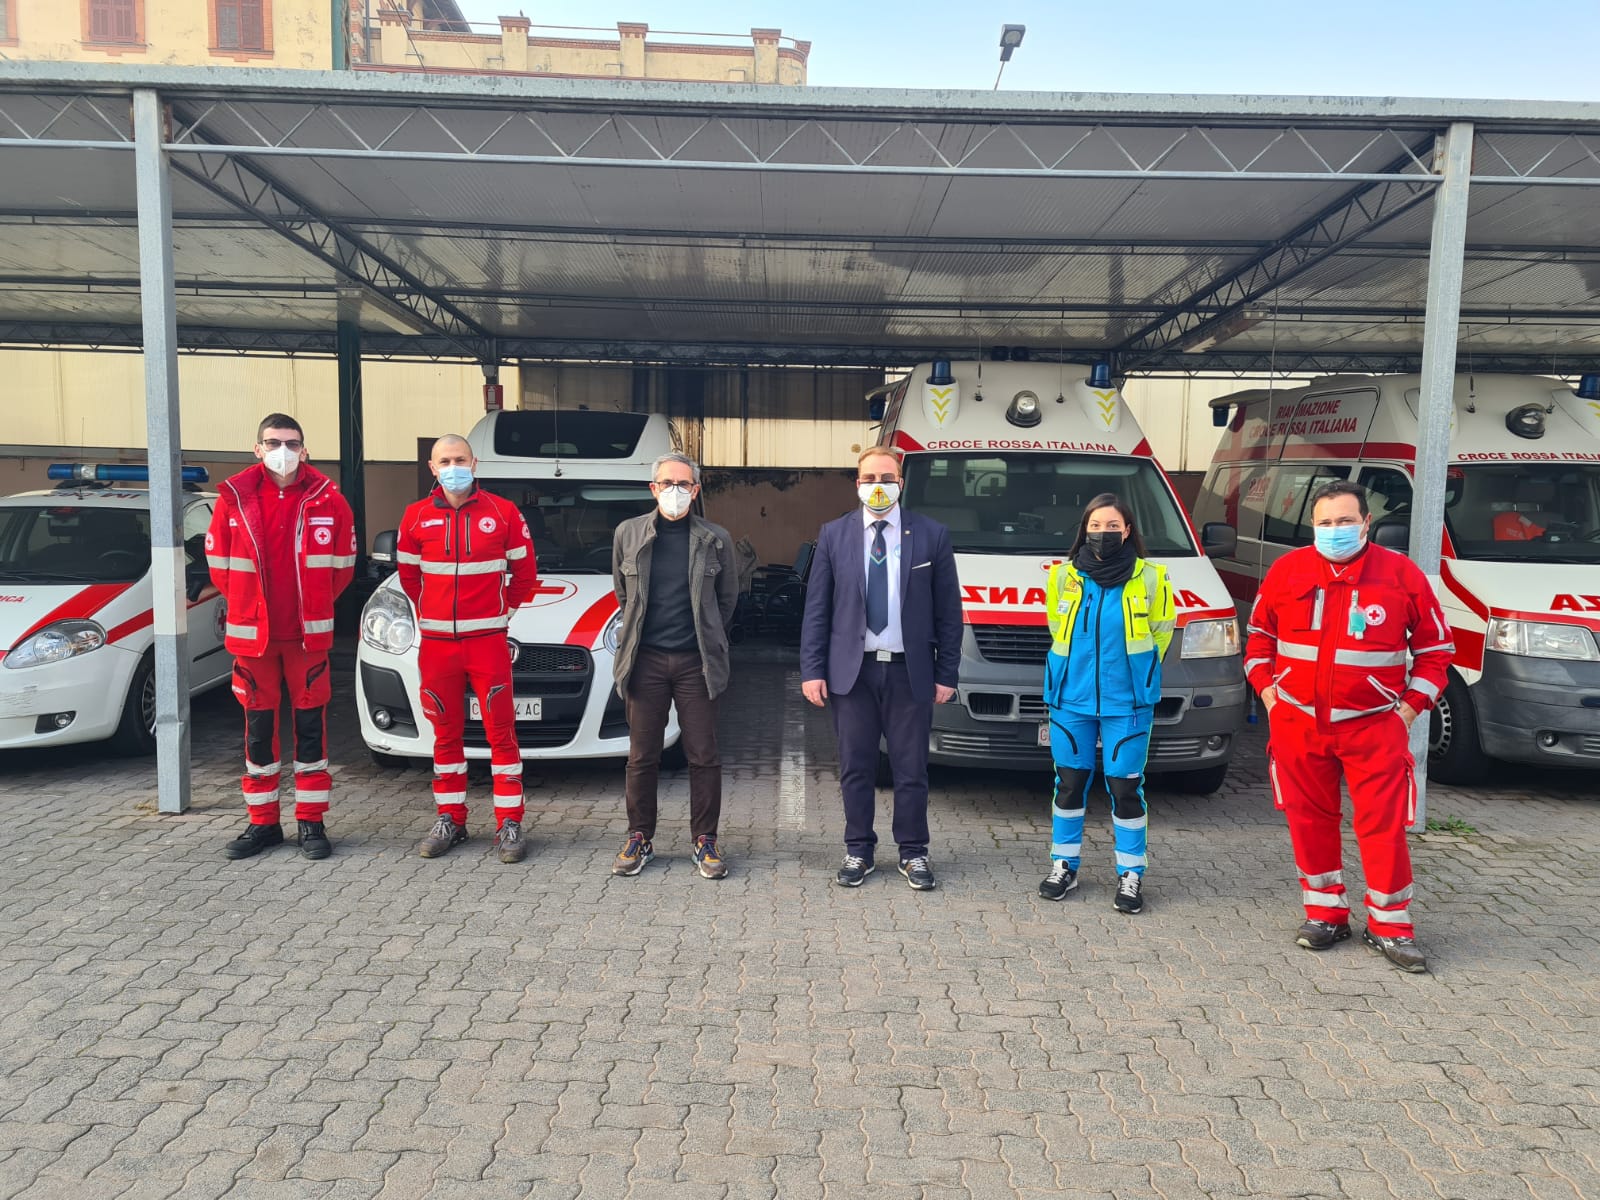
x=73 y=543
x=1032 y=503
x=1525 y=512
x=572 y=522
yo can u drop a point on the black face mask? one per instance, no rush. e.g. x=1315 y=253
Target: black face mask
x=1105 y=544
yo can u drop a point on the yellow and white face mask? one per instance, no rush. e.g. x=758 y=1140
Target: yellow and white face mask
x=879 y=497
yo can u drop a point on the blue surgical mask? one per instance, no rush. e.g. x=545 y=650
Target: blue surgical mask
x=1337 y=543
x=455 y=479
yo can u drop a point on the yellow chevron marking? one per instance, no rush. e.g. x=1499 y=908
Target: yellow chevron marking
x=1595 y=404
x=1108 y=406
x=940 y=399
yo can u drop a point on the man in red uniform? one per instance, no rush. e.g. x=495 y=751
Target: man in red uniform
x=281 y=547
x=454 y=551
x=1330 y=635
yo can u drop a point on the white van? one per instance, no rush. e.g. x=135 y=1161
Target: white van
x=77 y=631
x=575 y=476
x=1520 y=577
x=1006 y=455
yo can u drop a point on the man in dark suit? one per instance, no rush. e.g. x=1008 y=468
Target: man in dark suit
x=882 y=636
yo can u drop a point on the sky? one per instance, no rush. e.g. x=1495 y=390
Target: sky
x=1466 y=49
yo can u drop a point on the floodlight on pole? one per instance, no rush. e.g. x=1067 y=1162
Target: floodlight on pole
x=1010 y=39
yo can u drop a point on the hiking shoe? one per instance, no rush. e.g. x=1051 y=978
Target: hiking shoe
x=1129 y=898
x=513 y=846
x=314 y=841
x=1319 y=935
x=853 y=870
x=918 y=873
x=632 y=857
x=1403 y=952
x=1061 y=880
x=710 y=863
x=444 y=834
x=254 y=840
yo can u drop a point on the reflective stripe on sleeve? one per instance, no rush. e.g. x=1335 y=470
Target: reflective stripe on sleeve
x=408 y=558
x=517 y=552
x=319 y=626
x=241 y=631
x=1299 y=650
x=224 y=563
x=1426 y=686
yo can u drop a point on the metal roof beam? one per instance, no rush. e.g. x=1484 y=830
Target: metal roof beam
x=1345 y=221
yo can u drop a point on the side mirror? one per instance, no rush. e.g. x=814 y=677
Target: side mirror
x=382 y=559
x=1219 y=416
x=1395 y=535
x=876 y=408
x=1219 y=540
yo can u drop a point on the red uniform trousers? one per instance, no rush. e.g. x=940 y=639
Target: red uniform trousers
x=1373 y=756
x=259 y=684
x=448 y=666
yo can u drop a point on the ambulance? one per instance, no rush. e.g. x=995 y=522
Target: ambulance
x=575 y=476
x=1006 y=455
x=1520 y=577
x=77 y=632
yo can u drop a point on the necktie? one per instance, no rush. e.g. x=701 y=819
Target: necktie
x=878 y=581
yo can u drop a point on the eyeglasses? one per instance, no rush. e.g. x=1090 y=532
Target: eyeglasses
x=669 y=484
x=274 y=443
x=877 y=479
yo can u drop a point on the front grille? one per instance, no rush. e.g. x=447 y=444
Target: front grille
x=1024 y=644
x=1590 y=744
x=1032 y=708
x=1007 y=741
x=531 y=735
x=538 y=660
x=989 y=704
x=561 y=676
x=1168 y=749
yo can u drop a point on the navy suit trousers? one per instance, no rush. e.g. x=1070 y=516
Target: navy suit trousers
x=880 y=705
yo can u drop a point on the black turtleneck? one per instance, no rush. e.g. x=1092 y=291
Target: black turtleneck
x=668 y=614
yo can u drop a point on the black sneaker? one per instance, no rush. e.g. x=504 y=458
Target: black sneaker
x=254 y=840
x=1061 y=880
x=1319 y=935
x=918 y=873
x=1129 y=888
x=1403 y=952
x=444 y=835
x=314 y=841
x=853 y=870
x=513 y=846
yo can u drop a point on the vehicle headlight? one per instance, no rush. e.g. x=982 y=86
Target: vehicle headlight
x=387 y=623
x=1540 y=639
x=1211 y=639
x=612 y=637
x=55 y=643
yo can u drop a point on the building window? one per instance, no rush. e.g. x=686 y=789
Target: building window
x=7 y=34
x=240 y=24
x=115 y=21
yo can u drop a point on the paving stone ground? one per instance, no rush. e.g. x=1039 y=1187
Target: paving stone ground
x=172 y=1024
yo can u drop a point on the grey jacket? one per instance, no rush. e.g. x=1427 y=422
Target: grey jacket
x=713 y=601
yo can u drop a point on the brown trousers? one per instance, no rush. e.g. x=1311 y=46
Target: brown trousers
x=659 y=680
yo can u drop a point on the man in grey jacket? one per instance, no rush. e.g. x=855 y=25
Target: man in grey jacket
x=675 y=580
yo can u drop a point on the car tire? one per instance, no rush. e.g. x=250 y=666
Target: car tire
x=1454 y=752
x=1200 y=782
x=135 y=735
x=674 y=757
x=389 y=762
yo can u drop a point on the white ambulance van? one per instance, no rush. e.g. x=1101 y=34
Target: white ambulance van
x=77 y=632
x=1520 y=577
x=1006 y=455
x=575 y=476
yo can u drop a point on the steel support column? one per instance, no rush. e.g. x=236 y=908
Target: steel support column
x=352 y=432
x=1437 y=402
x=167 y=584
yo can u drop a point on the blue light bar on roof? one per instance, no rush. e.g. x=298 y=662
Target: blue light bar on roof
x=117 y=473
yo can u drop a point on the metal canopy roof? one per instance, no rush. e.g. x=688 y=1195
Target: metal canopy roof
x=503 y=218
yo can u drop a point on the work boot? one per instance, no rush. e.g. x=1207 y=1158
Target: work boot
x=513 y=846
x=314 y=841
x=444 y=835
x=634 y=854
x=1061 y=880
x=1319 y=935
x=254 y=840
x=1403 y=952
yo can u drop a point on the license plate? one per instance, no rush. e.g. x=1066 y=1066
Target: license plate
x=529 y=708
x=1044 y=734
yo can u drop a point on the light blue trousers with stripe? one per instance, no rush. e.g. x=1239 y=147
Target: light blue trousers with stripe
x=1125 y=742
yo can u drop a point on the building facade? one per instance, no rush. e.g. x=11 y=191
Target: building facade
x=192 y=33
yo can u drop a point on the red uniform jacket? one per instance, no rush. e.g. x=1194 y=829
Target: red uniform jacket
x=1336 y=646
x=323 y=563
x=453 y=563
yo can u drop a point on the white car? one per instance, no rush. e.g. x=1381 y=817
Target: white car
x=575 y=477
x=76 y=627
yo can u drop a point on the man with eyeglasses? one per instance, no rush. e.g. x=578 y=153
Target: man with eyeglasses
x=882 y=639
x=281 y=547
x=674 y=576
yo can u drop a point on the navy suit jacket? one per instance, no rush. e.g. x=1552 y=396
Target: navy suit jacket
x=833 y=635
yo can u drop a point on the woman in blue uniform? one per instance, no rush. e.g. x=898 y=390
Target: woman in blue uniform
x=1111 y=619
